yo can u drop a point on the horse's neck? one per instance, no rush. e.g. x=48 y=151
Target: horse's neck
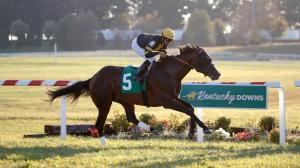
x=178 y=69
x=183 y=69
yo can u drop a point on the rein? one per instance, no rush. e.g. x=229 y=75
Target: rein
x=186 y=63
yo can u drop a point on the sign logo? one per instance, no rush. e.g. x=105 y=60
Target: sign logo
x=225 y=96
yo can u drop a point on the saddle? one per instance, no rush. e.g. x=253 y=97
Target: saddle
x=129 y=84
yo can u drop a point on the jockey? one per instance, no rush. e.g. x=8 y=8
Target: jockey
x=148 y=46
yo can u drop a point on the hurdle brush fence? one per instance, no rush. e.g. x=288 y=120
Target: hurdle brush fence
x=199 y=108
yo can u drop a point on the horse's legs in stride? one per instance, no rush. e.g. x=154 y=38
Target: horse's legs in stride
x=192 y=122
x=103 y=112
x=178 y=105
x=131 y=117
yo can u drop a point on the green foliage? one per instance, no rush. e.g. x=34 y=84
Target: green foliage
x=77 y=32
x=267 y=123
x=222 y=122
x=200 y=29
x=119 y=122
x=219 y=32
x=148 y=119
x=19 y=28
x=277 y=26
x=49 y=28
x=274 y=136
x=122 y=21
x=149 y=23
x=255 y=37
x=176 y=125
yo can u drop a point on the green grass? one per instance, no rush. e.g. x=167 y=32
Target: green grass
x=288 y=48
x=23 y=110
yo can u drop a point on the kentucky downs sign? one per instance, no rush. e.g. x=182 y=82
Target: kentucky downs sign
x=225 y=96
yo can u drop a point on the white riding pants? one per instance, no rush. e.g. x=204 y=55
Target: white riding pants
x=140 y=51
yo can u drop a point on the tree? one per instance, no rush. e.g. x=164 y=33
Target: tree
x=77 y=32
x=200 y=30
x=20 y=29
x=219 y=32
x=149 y=23
x=169 y=12
x=277 y=27
x=49 y=29
x=6 y=18
x=49 y=32
x=291 y=12
x=251 y=17
x=223 y=9
x=122 y=21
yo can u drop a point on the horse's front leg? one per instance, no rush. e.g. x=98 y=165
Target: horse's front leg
x=179 y=105
x=131 y=117
x=192 y=122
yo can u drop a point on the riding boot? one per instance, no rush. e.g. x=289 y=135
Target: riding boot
x=142 y=70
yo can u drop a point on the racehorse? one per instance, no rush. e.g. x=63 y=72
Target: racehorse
x=164 y=84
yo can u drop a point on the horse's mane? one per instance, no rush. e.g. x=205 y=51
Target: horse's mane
x=188 y=48
x=184 y=49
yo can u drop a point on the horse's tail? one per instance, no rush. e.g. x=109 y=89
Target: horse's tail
x=74 y=91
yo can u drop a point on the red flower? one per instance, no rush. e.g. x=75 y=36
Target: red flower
x=94 y=132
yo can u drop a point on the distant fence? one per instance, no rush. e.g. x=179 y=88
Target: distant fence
x=172 y=51
x=253 y=56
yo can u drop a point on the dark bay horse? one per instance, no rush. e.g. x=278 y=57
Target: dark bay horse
x=164 y=84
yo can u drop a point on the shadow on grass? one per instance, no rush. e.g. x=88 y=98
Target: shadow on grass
x=41 y=153
x=208 y=153
x=159 y=158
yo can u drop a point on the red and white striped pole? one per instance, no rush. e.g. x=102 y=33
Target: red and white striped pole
x=276 y=85
x=63 y=106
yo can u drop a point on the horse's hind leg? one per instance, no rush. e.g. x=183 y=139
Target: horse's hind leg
x=131 y=117
x=103 y=109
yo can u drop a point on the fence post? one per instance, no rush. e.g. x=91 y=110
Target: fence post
x=63 y=118
x=199 y=129
x=282 y=115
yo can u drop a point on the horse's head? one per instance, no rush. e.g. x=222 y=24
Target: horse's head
x=200 y=61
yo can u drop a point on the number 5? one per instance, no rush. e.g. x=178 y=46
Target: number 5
x=127 y=81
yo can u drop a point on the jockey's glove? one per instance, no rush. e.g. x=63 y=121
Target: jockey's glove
x=163 y=54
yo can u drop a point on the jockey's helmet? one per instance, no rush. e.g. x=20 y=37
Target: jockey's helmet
x=168 y=33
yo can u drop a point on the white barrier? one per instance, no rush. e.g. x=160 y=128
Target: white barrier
x=276 y=85
x=63 y=118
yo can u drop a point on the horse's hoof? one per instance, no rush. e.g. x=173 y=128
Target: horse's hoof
x=191 y=136
x=155 y=132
